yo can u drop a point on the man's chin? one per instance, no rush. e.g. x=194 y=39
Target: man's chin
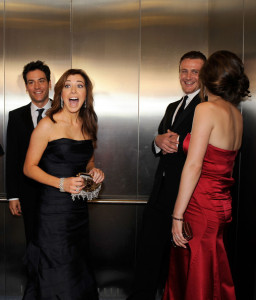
x=190 y=90
x=40 y=101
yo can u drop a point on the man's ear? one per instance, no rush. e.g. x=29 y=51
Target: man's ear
x=50 y=84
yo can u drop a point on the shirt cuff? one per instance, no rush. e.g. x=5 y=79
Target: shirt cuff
x=12 y=199
x=157 y=149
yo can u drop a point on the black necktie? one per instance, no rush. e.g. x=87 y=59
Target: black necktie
x=40 y=112
x=181 y=109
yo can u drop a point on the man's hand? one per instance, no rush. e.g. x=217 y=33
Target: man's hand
x=168 y=142
x=15 y=208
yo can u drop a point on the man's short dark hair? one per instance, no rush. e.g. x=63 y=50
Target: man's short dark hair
x=36 y=65
x=193 y=55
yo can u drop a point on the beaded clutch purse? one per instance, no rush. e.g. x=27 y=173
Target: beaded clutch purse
x=91 y=189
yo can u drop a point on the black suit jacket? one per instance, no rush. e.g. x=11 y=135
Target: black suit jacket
x=171 y=165
x=19 y=130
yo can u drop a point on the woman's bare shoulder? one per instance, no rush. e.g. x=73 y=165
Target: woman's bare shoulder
x=45 y=124
x=205 y=109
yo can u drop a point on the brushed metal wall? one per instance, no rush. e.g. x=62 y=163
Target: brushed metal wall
x=130 y=49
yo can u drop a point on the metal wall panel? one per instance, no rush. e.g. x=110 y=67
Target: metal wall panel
x=226 y=26
x=106 y=45
x=168 y=30
x=34 y=30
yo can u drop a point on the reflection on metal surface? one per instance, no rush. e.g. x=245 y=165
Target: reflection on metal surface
x=227 y=33
x=106 y=45
x=130 y=49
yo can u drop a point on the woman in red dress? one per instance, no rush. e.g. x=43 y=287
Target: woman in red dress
x=199 y=269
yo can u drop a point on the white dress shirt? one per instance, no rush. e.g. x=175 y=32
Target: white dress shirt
x=34 y=112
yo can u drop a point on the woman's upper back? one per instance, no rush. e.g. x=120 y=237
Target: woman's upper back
x=227 y=125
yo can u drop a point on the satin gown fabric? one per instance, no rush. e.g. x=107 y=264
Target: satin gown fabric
x=58 y=257
x=202 y=272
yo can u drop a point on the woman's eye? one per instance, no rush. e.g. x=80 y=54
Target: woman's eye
x=80 y=85
x=67 y=86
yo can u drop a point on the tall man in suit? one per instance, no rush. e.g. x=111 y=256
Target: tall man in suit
x=155 y=238
x=22 y=192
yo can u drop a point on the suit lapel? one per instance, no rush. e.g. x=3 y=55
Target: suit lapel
x=168 y=121
x=187 y=112
x=27 y=118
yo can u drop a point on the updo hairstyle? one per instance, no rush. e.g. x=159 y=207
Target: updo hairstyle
x=223 y=75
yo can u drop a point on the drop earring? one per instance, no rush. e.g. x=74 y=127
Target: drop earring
x=85 y=104
x=61 y=102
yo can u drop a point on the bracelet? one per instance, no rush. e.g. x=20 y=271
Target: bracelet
x=61 y=187
x=177 y=219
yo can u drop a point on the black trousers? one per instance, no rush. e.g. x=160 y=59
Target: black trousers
x=152 y=261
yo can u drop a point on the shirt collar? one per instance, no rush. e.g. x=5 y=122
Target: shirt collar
x=46 y=107
x=192 y=95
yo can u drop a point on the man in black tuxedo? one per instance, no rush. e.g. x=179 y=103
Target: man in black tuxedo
x=22 y=192
x=155 y=238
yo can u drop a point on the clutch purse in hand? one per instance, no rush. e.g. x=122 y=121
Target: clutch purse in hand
x=187 y=231
x=91 y=189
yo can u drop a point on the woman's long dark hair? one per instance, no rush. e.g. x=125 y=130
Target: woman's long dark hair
x=86 y=113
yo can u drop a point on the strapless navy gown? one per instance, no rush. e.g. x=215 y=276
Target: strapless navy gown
x=58 y=257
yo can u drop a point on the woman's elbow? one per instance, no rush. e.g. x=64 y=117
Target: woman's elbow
x=26 y=169
x=195 y=168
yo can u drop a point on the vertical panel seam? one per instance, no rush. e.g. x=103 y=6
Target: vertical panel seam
x=71 y=32
x=139 y=74
x=138 y=155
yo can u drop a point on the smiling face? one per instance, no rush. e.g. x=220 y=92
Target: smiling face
x=37 y=87
x=74 y=93
x=189 y=74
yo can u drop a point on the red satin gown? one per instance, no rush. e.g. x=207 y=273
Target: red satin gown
x=202 y=272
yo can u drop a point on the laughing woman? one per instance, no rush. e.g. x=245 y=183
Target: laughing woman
x=61 y=146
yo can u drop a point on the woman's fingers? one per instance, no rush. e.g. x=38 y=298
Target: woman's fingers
x=97 y=175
